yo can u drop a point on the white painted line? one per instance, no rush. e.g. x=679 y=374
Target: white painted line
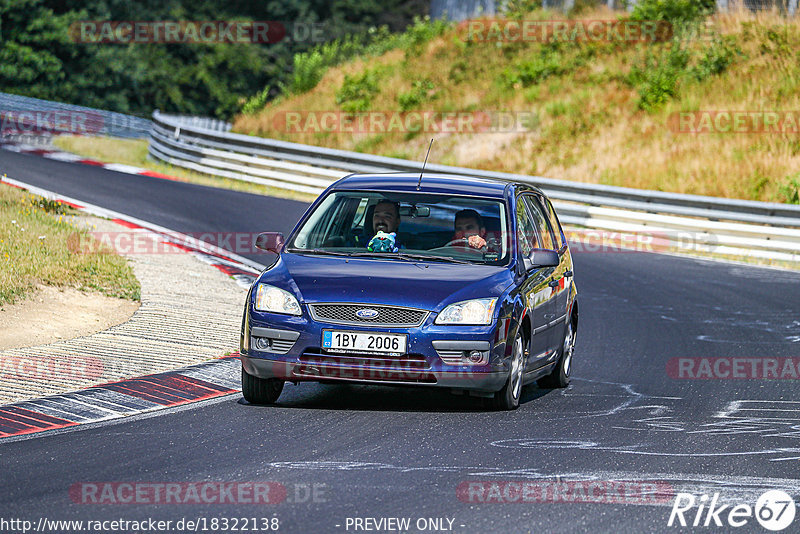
x=247 y=264
x=119 y=167
x=64 y=156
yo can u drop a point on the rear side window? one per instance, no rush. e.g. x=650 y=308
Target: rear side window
x=528 y=233
x=555 y=223
x=537 y=214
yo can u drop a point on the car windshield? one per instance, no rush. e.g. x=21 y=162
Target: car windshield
x=430 y=227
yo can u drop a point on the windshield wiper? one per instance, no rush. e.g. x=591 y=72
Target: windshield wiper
x=319 y=251
x=425 y=257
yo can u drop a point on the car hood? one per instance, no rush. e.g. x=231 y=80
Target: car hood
x=425 y=285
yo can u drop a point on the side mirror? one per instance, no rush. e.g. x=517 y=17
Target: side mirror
x=545 y=258
x=541 y=257
x=270 y=241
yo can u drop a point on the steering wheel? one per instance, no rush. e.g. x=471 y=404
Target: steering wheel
x=459 y=241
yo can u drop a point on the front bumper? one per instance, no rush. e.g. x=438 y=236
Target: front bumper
x=291 y=351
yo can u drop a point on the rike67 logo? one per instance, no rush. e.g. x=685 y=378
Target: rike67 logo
x=774 y=510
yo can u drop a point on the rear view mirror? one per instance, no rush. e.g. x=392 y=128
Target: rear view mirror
x=270 y=241
x=415 y=211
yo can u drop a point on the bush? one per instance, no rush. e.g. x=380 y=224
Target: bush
x=517 y=9
x=422 y=31
x=677 y=12
x=357 y=92
x=421 y=90
x=791 y=190
x=716 y=58
x=309 y=67
x=308 y=70
x=256 y=103
x=658 y=78
x=547 y=63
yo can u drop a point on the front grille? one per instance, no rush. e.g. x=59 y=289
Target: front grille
x=387 y=315
x=281 y=346
x=451 y=357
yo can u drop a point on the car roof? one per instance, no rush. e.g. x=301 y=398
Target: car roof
x=431 y=183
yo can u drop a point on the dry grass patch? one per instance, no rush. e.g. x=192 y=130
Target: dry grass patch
x=595 y=122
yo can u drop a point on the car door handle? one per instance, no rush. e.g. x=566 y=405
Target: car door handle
x=568 y=274
x=554 y=283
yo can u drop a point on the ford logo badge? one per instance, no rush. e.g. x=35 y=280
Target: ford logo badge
x=367 y=313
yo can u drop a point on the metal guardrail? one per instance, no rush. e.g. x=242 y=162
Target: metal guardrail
x=707 y=224
x=37 y=114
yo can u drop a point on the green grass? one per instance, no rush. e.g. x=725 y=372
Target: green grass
x=35 y=238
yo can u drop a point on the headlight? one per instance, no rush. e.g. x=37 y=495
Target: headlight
x=272 y=299
x=477 y=312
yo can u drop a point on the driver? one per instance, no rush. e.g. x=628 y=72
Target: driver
x=469 y=227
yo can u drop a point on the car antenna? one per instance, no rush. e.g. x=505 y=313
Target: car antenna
x=419 y=184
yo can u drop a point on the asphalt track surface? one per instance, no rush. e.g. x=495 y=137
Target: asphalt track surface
x=383 y=452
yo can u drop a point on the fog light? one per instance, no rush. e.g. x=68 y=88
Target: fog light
x=261 y=343
x=475 y=356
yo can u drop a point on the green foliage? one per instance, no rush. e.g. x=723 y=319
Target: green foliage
x=421 y=32
x=311 y=66
x=421 y=91
x=716 y=58
x=458 y=71
x=41 y=57
x=664 y=68
x=357 y=92
x=790 y=191
x=658 y=78
x=548 y=62
x=517 y=9
x=256 y=103
x=677 y=12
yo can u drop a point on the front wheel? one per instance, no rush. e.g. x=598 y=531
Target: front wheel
x=508 y=397
x=260 y=390
x=559 y=378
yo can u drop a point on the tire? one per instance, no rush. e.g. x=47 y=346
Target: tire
x=559 y=378
x=508 y=397
x=260 y=390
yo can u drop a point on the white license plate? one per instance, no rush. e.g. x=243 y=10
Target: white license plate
x=341 y=341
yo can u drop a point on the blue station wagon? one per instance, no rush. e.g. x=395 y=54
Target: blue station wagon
x=445 y=281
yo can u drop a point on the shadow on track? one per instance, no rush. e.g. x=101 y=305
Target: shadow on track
x=358 y=397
